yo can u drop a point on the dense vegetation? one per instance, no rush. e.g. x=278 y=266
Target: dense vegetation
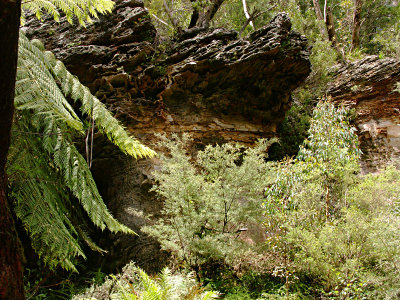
x=306 y=227
x=300 y=223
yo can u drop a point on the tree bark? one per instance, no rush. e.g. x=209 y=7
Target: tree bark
x=355 y=36
x=330 y=25
x=194 y=17
x=318 y=12
x=11 y=277
x=246 y=13
x=205 y=19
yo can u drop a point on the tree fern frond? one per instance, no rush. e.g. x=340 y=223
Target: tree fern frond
x=37 y=88
x=49 y=163
x=78 y=178
x=83 y=234
x=91 y=106
x=70 y=86
x=42 y=87
x=83 y=10
x=40 y=201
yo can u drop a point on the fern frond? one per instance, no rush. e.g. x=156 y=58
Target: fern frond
x=40 y=203
x=42 y=87
x=83 y=10
x=78 y=178
x=57 y=112
x=152 y=290
x=91 y=106
x=134 y=283
x=36 y=87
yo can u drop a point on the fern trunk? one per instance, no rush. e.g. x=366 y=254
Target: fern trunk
x=11 y=278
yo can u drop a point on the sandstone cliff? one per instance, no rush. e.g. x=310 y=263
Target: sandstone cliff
x=370 y=86
x=204 y=81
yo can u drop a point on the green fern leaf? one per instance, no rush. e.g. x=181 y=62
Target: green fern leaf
x=49 y=168
x=83 y=10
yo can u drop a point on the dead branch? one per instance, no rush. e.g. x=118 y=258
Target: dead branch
x=246 y=13
x=170 y=15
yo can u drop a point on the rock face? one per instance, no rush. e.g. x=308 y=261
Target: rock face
x=204 y=81
x=370 y=87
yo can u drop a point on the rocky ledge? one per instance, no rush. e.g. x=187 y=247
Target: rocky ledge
x=204 y=81
x=372 y=87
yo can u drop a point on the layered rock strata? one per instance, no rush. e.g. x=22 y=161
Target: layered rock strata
x=372 y=87
x=204 y=81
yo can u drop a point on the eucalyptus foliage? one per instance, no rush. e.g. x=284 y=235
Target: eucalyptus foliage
x=329 y=224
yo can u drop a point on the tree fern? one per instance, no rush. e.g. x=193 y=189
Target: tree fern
x=45 y=167
x=83 y=10
x=40 y=201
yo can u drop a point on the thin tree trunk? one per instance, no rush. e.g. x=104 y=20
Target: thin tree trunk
x=330 y=25
x=194 y=17
x=355 y=37
x=246 y=13
x=170 y=15
x=205 y=19
x=318 y=12
x=11 y=278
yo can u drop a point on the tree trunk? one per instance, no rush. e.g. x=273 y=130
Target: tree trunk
x=246 y=13
x=194 y=17
x=355 y=37
x=318 y=12
x=330 y=25
x=11 y=278
x=205 y=18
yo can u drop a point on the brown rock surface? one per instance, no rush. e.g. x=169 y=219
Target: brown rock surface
x=205 y=82
x=369 y=86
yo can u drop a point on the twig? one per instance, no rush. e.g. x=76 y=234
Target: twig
x=161 y=21
x=254 y=15
x=246 y=13
x=169 y=13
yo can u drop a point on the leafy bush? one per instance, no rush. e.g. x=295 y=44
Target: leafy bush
x=329 y=232
x=329 y=226
x=212 y=204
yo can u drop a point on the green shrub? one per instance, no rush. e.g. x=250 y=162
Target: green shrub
x=328 y=225
x=212 y=204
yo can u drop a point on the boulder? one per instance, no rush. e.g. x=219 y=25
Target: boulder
x=371 y=87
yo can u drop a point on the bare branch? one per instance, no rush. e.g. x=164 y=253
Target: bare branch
x=161 y=21
x=170 y=15
x=254 y=15
x=246 y=13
